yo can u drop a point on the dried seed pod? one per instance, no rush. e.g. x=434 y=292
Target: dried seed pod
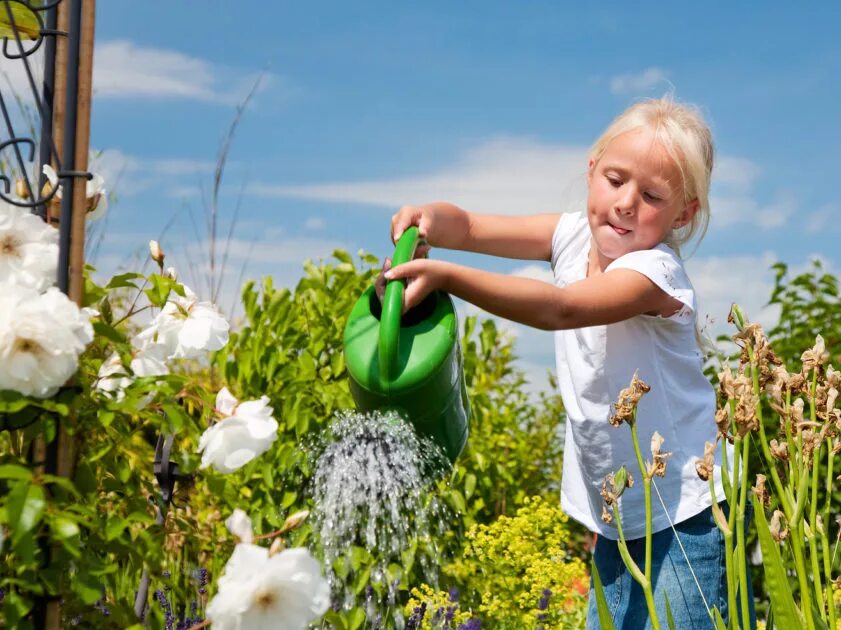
x=704 y=467
x=658 y=464
x=779 y=450
x=607 y=517
x=722 y=421
x=814 y=356
x=777 y=532
x=761 y=492
x=627 y=401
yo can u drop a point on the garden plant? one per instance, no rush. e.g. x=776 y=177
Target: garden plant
x=245 y=407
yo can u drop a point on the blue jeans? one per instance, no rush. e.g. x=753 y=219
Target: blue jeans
x=703 y=543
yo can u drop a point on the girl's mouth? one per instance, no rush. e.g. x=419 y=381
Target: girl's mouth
x=618 y=230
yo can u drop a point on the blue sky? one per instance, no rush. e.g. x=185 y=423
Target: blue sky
x=367 y=106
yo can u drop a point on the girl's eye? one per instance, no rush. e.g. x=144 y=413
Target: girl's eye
x=615 y=182
x=652 y=196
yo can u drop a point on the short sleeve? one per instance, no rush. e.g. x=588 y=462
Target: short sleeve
x=570 y=229
x=664 y=268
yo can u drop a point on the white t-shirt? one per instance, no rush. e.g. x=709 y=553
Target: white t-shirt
x=596 y=362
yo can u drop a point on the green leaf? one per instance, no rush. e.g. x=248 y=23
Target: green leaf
x=25 y=508
x=124 y=280
x=115 y=527
x=356 y=618
x=605 y=620
x=63 y=527
x=669 y=617
x=469 y=485
x=335 y=620
x=719 y=622
x=104 y=330
x=786 y=613
x=87 y=586
x=13 y=471
x=25 y=21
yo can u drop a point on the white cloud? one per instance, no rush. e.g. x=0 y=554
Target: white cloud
x=314 y=223
x=124 y=69
x=639 y=82
x=721 y=280
x=823 y=219
x=536 y=272
x=504 y=176
x=733 y=201
x=729 y=210
x=735 y=173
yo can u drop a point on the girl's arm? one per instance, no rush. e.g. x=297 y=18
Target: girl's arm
x=446 y=225
x=602 y=299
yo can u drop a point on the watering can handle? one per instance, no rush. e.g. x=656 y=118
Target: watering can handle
x=392 y=311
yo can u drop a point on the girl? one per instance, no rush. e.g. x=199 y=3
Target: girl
x=621 y=303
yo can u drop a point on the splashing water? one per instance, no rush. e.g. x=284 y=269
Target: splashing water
x=373 y=509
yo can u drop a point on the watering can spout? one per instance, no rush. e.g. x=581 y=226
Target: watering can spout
x=409 y=363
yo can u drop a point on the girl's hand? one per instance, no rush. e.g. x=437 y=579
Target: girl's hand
x=440 y=224
x=424 y=276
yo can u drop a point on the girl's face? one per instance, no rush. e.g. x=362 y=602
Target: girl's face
x=635 y=196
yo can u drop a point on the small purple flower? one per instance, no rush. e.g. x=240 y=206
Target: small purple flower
x=449 y=616
x=471 y=624
x=543 y=604
x=454 y=594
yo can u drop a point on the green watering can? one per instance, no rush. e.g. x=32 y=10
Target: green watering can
x=411 y=364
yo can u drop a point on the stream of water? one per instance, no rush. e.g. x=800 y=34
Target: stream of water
x=373 y=510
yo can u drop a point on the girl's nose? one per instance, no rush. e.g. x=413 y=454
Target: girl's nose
x=627 y=203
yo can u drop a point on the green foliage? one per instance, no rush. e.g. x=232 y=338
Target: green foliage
x=809 y=306
x=519 y=571
x=290 y=348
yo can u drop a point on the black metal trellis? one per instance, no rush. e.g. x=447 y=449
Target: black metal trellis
x=63 y=83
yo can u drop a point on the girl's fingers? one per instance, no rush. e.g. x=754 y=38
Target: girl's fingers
x=415 y=292
x=406 y=217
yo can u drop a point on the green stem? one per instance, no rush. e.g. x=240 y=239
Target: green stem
x=766 y=451
x=638 y=575
x=728 y=556
x=646 y=484
x=741 y=556
x=805 y=597
x=793 y=470
x=827 y=569
x=817 y=587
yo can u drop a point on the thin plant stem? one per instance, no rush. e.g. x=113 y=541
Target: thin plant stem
x=646 y=484
x=827 y=569
x=827 y=562
x=638 y=575
x=763 y=442
x=740 y=535
x=813 y=507
x=797 y=536
x=728 y=554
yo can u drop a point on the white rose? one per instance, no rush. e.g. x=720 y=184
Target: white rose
x=285 y=591
x=28 y=248
x=239 y=524
x=187 y=327
x=149 y=360
x=247 y=431
x=41 y=338
x=95 y=192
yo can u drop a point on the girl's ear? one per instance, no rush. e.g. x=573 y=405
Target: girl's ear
x=686 y=215
x=591 y=164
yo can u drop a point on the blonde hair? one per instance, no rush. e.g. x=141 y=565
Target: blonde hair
x=682 y=131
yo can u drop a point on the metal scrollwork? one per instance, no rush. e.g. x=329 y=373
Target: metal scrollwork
x=16 y=50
